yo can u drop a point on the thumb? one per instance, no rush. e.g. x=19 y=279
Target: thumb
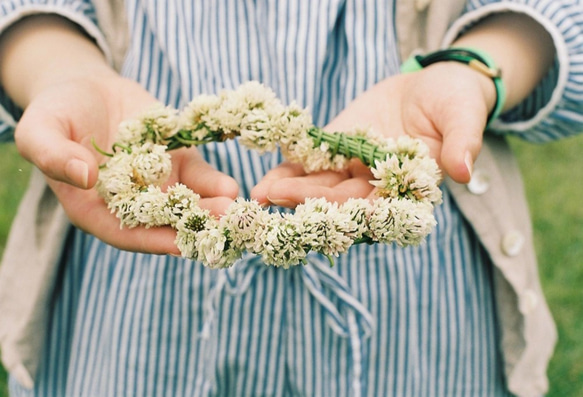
x=463 y=131
x=46 y=142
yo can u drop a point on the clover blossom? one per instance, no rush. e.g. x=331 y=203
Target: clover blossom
x=404 y=222
x=358 y=210
x=413 y=178
x=280 y=243
x=157 y=125
x=244 y=219
x=180 y=200
x=325 y=228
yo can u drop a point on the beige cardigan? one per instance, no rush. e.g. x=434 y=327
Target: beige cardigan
x=493 y=203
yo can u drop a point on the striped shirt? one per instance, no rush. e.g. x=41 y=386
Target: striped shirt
x=419 y=321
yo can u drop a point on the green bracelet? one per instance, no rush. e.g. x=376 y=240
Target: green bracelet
x=476 y=59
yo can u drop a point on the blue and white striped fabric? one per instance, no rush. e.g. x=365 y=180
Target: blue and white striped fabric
x=385 y=321
x=133 y=325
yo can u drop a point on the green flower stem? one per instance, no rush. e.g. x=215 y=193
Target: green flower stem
x=350 y=146
x=100 y=150
x=364 y=240
x=183 y=138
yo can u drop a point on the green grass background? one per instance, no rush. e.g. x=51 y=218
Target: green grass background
x=553 y=176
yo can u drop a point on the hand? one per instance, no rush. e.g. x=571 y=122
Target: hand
x=446 y=105
x=55 y=134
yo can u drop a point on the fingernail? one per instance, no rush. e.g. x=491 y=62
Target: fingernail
x=469 y=163
x=78 y=172
x=282 y=202
x=264 y=204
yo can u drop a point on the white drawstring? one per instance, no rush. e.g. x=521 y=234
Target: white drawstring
x=236 y=281
x=348 y=318
x=212 y=303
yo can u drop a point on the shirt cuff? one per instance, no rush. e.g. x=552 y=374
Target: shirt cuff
x=548 y=102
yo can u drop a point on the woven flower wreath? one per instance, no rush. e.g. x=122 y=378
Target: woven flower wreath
x=406 y=181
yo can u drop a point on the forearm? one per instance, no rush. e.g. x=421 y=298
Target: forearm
x=40 y=51
x=521 y=48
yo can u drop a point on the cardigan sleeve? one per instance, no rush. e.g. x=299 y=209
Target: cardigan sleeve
x=81 y=12
x=555 y=107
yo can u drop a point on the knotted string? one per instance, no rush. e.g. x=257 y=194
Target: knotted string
x=235 y=280
x=348 y=318
x=350 y=146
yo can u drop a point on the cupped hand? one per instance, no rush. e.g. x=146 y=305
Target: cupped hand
x=446 y=105
x=56 y=131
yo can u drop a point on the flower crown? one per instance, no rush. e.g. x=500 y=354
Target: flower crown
x=406 y=181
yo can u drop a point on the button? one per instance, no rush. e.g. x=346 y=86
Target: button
x=528 y=301
x=421 y=5
x=480 y=182
x=512 y=243
x=22 y=376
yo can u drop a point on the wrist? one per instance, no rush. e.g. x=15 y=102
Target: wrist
x=479 y=65
x=519 y=45
x=482 y=85
x=42 y=51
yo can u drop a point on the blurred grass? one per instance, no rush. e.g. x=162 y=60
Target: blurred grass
x=553 y=176
x=14 y=173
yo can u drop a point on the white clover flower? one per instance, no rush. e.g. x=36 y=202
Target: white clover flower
x=115 y=177
x=401 y=221
x=358 y=210
x=228 y=116
x=280 y=242
x=156 y=125
x=148 y=207
x=123 y=205
x=259 y=130
x=407 y=146
x=371 y=136
x=324 y=228
x=416 y=178
x=313 y=159
x=180 y=200
x=425 y=177
x=255 y=95
x=150 y=163
x=294 y=124
x=244 y=221
x=161 y=123
x=131 y=132
x=187 y=228
x=249 y=107
x=196 y=116
x=200 y=238
x=260 y=112
x=214 y=250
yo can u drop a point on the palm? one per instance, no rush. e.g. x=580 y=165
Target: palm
x=63 y=121
x=447 y=111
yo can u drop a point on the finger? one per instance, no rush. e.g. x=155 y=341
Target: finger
x=283 y=171
x=43 y=140
x=288 y=192
x=293 y=191
x=358 y=169
x=462 y=141
x=216 y=205
x=87 y=211
x=201 y=177
x=457 y=108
